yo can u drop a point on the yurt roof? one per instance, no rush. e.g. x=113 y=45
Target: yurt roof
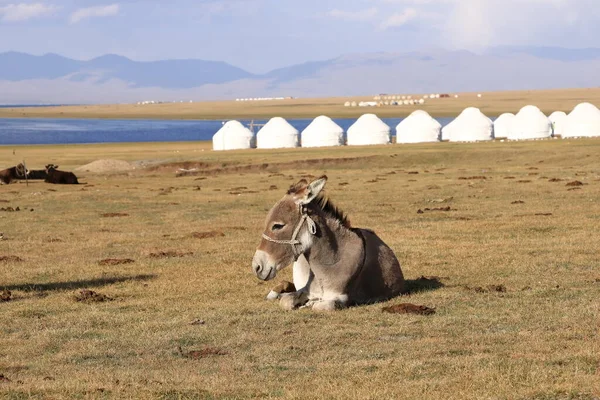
x=322 y=124
x=234 y=127
x=278 y=126
x=369 y=122
x=470 y=125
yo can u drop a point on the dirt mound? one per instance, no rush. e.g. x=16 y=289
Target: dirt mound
x=116 y=261
x=170 y=254
x=205 y=352
x=419 y=211
x=89 y=296
x=10 y=259
x=100 y=166
x=487 y=289
x=6 y=295
x=408 y=308
x=207 y=235
x=111 y=215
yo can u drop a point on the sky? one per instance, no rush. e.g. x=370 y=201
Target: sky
x=262 y=35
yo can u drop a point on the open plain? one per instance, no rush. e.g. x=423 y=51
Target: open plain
x=491 y=104
x=501 y=239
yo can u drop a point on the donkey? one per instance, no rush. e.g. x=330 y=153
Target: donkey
x=59 y=177
x=335 y=265
x=10 y=174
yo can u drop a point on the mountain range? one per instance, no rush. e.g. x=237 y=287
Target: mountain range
x=51 y=78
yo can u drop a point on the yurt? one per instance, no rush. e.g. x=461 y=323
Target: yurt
x=277 y=134
x=418 y=127
x=368 y=129
x=233 y=136
x=503 y=125
x=583 y=121
x=530 y=123
x=322 y=132
x=470 y=126
x=558 y=120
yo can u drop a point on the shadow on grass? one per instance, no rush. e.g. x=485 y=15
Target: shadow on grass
x=72 y=285
x=422 y=284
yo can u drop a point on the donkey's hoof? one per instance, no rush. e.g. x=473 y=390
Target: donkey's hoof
x=273 y=295
x=288 y=301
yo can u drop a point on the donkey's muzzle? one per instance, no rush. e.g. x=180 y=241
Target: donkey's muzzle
x=261 y=266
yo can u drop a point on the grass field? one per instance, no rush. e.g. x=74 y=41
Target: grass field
x=492 y=104
x=516 y=222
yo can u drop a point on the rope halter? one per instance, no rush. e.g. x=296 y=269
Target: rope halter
x=312 y=229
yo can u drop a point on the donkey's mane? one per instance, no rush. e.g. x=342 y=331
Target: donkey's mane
x=331 y=209
x=324 y=203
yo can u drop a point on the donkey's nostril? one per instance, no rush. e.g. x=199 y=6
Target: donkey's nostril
x=257 y=268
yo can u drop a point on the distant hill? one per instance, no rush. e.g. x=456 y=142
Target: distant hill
x=168 y=74
x=52 y=78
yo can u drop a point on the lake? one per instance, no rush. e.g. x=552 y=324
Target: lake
x=70 y=131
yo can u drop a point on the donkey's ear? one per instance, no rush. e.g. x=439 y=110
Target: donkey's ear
x=313 y=189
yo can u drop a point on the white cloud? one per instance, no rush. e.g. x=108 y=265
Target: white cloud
x=92 y=12
x=478 y=24
x=398 y=19
x=361 y=15
x=24 y=12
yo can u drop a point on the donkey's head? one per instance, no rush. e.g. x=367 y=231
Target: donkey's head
x=289 y=230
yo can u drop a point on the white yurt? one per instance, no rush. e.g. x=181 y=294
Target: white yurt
x=583 y=121
x=368 y=129
x=233 y=136
x=558 y=120
x=470 y=126
x=277 y=134
x=322 y=132
x=530 y=123
x=503 y=125
x=418 y=127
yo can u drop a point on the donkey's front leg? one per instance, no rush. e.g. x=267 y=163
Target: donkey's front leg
x=283 y=287
x=289 y=301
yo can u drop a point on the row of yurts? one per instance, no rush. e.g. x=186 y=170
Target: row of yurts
x=470 y=126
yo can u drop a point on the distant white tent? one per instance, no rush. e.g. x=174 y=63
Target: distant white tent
x=322 y=132
x=276 y=134
x=418 y=127
x=232 y=136
x=470 y=126
x=503 y=125
x=530 y=123
x=583 y=121
x=369 y=129
x=558 y=120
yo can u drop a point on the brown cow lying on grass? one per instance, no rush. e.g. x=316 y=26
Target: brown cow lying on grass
x=10 y=174
x=59 y=177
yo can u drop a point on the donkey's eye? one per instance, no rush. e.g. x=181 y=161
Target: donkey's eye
x=277 y=227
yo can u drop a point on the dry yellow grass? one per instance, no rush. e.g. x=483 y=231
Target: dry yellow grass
x=537 y=340
x=492 y=103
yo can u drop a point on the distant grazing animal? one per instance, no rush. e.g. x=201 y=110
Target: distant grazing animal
x=60 y=177
x=335 y=265
x=10 y=174
x=37 y=174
